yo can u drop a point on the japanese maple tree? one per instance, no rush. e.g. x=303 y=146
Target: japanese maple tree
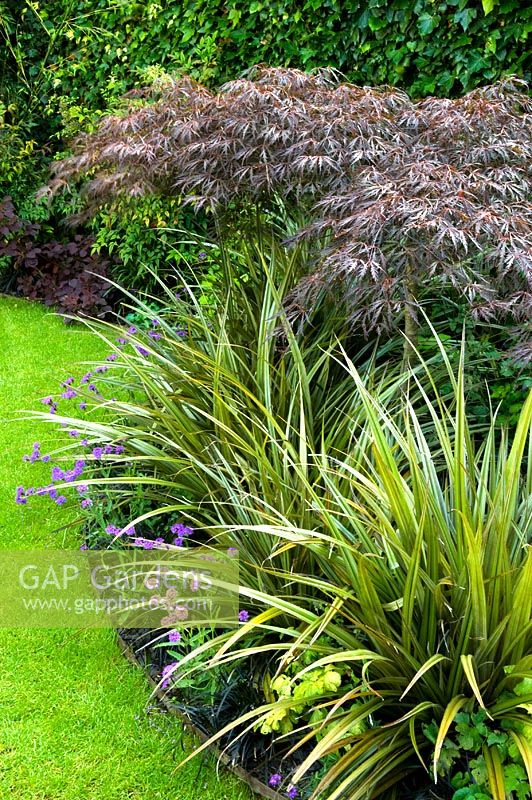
x=403 y=199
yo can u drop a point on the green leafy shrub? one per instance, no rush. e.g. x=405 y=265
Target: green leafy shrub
x=99 y=49
x=149 y=236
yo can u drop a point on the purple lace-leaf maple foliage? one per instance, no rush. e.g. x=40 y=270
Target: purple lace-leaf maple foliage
x=400 y=198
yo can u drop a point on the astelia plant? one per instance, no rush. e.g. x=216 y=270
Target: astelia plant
x=376 y=534
x=211 y=406
x=403 y=199
x=424 y=613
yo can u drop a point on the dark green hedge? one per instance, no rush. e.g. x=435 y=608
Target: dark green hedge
x=100 y=47
x=62 y=61
x=426 y=46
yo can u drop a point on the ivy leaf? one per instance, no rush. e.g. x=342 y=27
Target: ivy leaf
x=465 y=17
x=307 y=54
x=426 y=23
x=488 y=5
x=376 y=24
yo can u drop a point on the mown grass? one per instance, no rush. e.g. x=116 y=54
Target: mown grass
x=73 y=720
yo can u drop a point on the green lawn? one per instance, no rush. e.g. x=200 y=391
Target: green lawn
x=72 y=710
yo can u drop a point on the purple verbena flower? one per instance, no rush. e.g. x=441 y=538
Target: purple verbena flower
x=142 y=351
x=100 y=369
x=73 y=433
x=146 y=544
x=47 y=401
x=19 y=496
x=83 y=547
x=97 y=452
x=61 y=500
x=174 y=636
x=112 y=530
x=167 y=674
x=57 y=474
x=45 y=459
x=82 y=489
x=155 y=323
x=69 y=394
x=68 y=382
x=82 y=406
x=155 y=335
x=292 y=792
x=178 y=541
x=275 y=780
x=243 y=616
x=86 y=502
x=86 y=378
x=131 y=329
x=121 y=341
x=112 y=357
x=181 y=530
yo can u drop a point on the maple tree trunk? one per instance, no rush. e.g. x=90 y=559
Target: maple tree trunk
x=411 y=325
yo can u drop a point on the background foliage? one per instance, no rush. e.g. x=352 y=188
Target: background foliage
x=93 y=50
x=63 y=61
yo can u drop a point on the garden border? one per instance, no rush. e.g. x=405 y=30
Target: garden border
x=256 y=786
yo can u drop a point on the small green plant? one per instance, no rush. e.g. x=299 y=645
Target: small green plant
x=306 y=690
x=478 y=752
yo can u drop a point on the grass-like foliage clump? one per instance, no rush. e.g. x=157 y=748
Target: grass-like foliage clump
x=385 y=565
